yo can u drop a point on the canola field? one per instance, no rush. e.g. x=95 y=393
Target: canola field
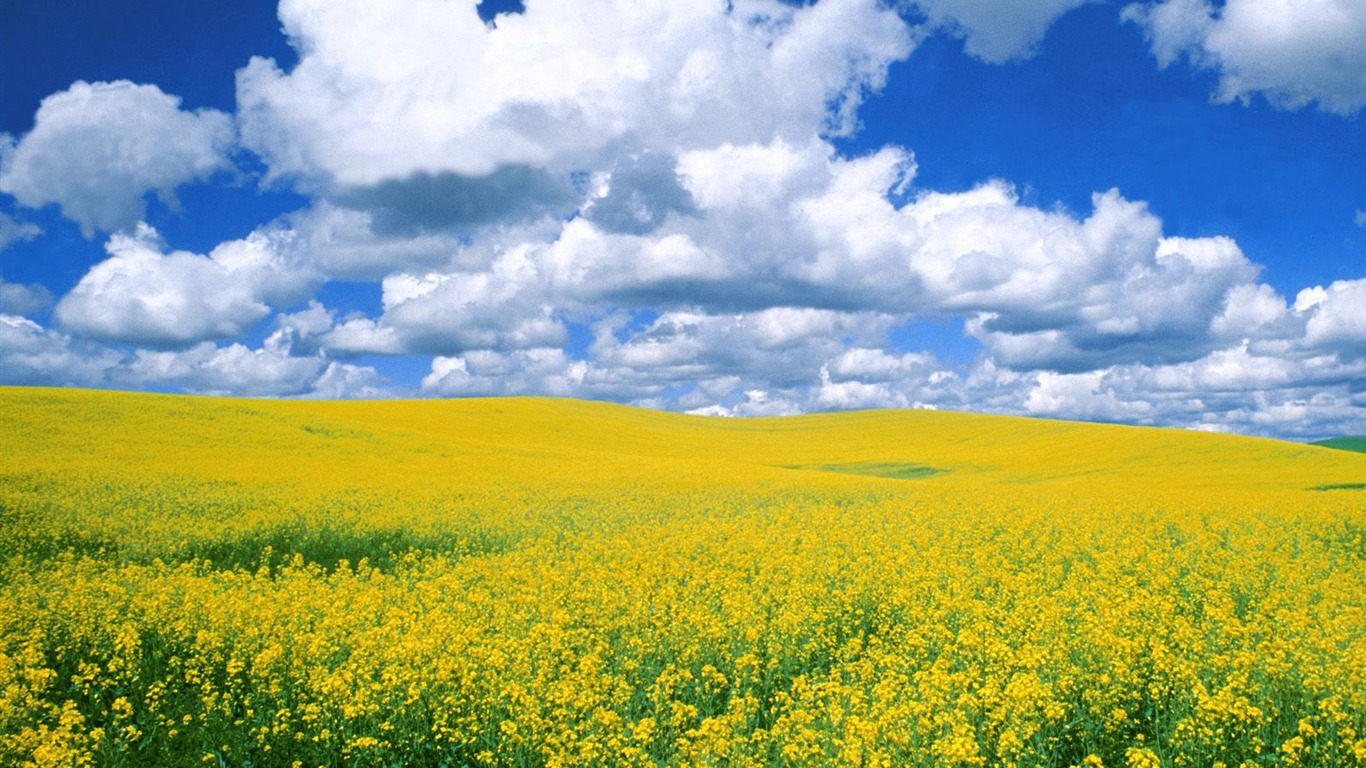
x=523 y=582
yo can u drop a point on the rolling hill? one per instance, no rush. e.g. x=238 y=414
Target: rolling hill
x=530 y=582
x=1357 y=444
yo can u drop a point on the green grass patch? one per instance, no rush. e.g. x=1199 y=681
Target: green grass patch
x=893 y=470
x=1340 y=487
x=1357 y=444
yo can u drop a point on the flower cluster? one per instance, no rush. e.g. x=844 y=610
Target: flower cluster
x=529 y=583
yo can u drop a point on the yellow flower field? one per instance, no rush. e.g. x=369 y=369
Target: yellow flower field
x=523 y=582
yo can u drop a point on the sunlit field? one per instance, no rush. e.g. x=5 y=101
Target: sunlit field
x=524 y=582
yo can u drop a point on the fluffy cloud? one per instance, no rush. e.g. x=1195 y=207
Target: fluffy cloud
x=23 y=300
x=343 y=244
x=996 y=31
x=861 y=377
x=1302 y=395
x=448 y=201
x=783 y=226
x=639 y=195
x=642 y=202
x=97 y=148
x=1292 y=53
x=1336 y=318
x=447 y=313
x=389 y=91
x=35 y=356
x=785 y=346
x=682 y=360
x=542 y=371
x=143 y=295
x=242 y=372
x=12 y=231
x=786 y=257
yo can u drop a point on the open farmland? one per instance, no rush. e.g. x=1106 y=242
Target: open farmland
x=526 y=582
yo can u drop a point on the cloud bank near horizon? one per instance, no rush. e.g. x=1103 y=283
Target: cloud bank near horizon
x=664 y=219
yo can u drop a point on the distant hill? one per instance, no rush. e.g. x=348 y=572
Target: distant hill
x=556 y=445
x=524 y=582
x=1357 y=444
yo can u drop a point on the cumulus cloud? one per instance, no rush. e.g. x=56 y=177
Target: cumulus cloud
x=861 y=377
x=1291 y=53
x=643 y=202
x=344 y=244
x=1303 y=395
x=447 y=313
x=385 y=92
x=787 y=273
x=778 y=225
x=427 y=202
x=1252 y=311
x=143 y=295
x=544 y=371
x=96 y=149
x=997 y=31
x=783 y=347
x=36 y=356
x=1335 y=317
x=239 y=371
x=12 y=231
x=638 y=195
x=682 y=360
x=23 y=300
x=753 y=403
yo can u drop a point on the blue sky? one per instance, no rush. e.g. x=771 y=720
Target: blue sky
x=1149 y=212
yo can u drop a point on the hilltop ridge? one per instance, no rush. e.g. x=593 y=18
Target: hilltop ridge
x=556 y=440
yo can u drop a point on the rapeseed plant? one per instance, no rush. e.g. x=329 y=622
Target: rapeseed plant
x=540 y=583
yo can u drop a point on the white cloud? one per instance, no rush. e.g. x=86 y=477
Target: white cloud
x=231 y=370
x=541 y=370
x=861 y=377
x=1292 y=52
x=238 y=371
x=1043 y=290
x=12 y=231
x=390 y=90
x=288 y=364
x=35 y=356
x=1081 y=395
x=97 y=149
x=776 y=271
x=794 y=231
x=776 y=348
x=299 y=333
x=701 y=359
x=753 y=176
x=143 y=295
x=1041 y=287
x=344 y=381
x=342 y=244
x=1250 y=311
x=1300 y=396
x=662 y=174
x=997 y=31
x=1336 y=318
x=23 y=300
x=753 y=403
x=448 y=313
